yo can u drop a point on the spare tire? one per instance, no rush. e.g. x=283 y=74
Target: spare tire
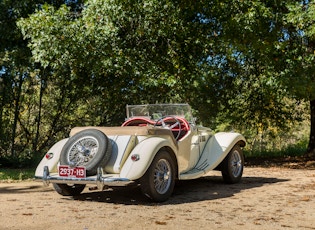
x=90 y=148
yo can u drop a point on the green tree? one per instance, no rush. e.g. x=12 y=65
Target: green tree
x=242 y=69
x=140 y=51
x=21 y=84
x=298 y=45
x=223 y=57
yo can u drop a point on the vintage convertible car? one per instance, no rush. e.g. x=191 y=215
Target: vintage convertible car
x=155 y=146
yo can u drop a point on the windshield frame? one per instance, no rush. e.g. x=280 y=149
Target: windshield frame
x=157 y=111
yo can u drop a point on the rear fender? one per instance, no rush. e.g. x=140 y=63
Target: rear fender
x=52 y=162
x=146 y=151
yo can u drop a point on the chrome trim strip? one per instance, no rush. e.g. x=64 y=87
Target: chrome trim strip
x=100 y=180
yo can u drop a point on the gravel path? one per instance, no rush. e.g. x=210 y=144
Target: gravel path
x=266 y=198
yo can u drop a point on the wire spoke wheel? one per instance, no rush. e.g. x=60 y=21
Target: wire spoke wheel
x=83 y=151
x=89 y=148
x=236 y=164
x=233 y=165
x=159 y=180
x=162 y=176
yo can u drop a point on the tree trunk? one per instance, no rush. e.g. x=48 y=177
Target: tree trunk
x=40 y=106
x=16 y=114
x=311 y=144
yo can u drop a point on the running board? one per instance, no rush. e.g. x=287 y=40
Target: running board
x=199 y=171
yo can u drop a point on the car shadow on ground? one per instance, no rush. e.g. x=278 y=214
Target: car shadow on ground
x=15 y=188
x=205 y=188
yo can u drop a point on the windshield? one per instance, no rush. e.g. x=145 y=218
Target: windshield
x=156 y=111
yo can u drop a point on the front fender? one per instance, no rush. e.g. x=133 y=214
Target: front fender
x=214 y=152
x=52 y=162
x=219 y=146
x=227 y=140
x=146 y=150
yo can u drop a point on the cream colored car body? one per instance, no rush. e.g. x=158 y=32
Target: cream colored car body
x=196 y=153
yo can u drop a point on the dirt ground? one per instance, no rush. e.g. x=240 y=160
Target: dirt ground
x=267 y=198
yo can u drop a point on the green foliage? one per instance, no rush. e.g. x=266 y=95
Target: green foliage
x=16 y=174
x=140 y=46
x=247 y=65
x=23 y=124
x=298 y=149
x=299 y=49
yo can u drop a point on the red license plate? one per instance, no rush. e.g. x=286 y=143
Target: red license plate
x=67 y=171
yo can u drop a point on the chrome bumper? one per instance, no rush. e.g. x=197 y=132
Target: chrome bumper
x=100 y=179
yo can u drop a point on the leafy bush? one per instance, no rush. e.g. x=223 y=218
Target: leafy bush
x=24 y=160
x=16 y=174
x=297 y=149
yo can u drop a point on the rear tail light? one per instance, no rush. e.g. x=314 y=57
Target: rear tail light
x=135 y=157
x=49 y=156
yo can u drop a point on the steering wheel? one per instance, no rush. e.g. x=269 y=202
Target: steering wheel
x=162 y=122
